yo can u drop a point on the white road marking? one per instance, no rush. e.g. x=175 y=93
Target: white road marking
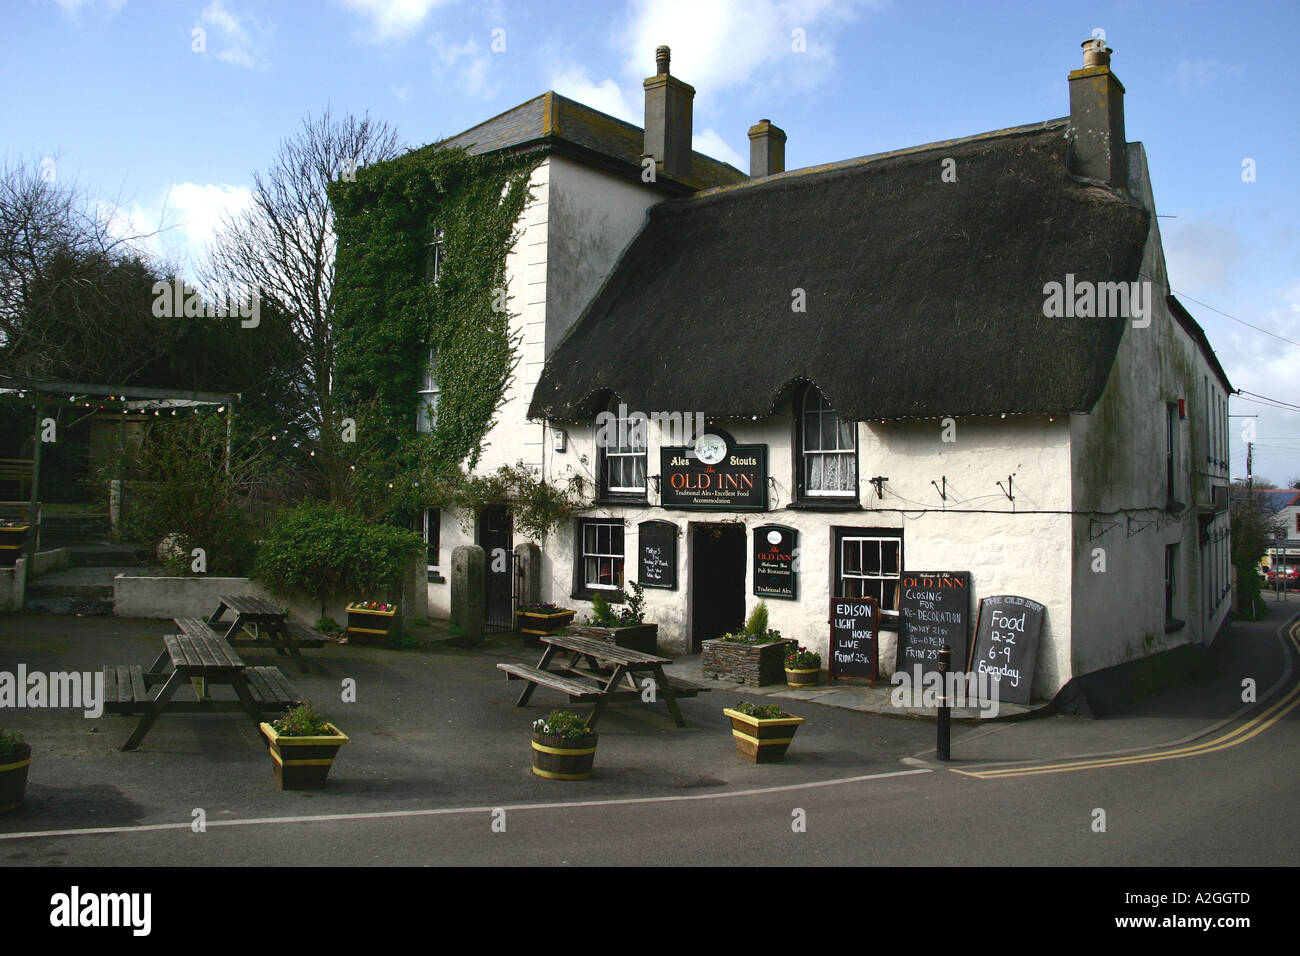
x=449 y=811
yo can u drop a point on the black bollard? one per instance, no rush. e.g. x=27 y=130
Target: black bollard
x=943 y=749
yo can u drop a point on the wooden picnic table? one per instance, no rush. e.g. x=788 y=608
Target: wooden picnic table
x=592 y=684
x=258 y=623
x=208 y=659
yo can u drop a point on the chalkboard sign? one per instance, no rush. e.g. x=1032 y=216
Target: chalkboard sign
x=775 y=553
x=657 y=554
x=855 y=629
x=934 y=610
x=1006 y=644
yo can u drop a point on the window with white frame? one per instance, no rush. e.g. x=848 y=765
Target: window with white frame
x=623 y=451
x=426 y=412
x=870 y=564
x=437 y=255
x=828 y=449
x=602 y=555
x=431 y=531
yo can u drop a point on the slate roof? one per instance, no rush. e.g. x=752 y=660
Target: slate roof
x=924 y=298
x=557 y=122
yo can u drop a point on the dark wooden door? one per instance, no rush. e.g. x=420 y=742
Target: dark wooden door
x=496 y=537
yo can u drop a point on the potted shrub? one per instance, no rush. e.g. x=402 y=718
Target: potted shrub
x=14 y=758
x=303 y=747
x=803 y=668
x=534 y=620
x=626 y=628
x=564 y=747
x=370 y=617
x=754 y=656
x=763 y=733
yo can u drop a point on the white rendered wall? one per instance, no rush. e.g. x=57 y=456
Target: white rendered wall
x=1119 y=453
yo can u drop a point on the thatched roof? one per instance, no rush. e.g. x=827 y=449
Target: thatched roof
x=924 y=297
x=555 y=122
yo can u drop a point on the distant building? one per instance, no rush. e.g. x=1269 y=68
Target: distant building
x=961 y=356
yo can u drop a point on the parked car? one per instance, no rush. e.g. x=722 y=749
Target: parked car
x=1287 y=574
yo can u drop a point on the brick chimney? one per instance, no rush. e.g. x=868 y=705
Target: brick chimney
x=668 y=119
x=1098 y=148
x=766 y=149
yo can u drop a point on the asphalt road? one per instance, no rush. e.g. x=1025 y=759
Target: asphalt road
x=1203 y=781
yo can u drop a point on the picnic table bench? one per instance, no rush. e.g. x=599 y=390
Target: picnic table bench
x=207 y=658
x=259 y=623
x=593 y=685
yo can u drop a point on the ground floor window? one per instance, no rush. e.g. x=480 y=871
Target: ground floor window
x=1171 y=581
x=869 y=563
x=600 y=557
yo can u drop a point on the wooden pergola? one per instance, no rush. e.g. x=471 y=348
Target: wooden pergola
x=44 y=395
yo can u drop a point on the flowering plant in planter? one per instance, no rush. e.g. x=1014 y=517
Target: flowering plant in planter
x=372 y=606
x=303 y=747
x=753 y=656
x=535 y=620
x=802 y=658
x=564 y=747
x=543 y=609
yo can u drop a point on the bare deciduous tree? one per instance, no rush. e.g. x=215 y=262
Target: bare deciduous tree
x=283 y=247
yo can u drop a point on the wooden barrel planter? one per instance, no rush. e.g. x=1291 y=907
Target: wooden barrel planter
x=13 y=777
x=560 y=759
x=803 y=676
x=762 y=740
x=303 y=763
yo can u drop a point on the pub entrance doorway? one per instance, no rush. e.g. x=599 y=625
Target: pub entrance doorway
x=717 y=580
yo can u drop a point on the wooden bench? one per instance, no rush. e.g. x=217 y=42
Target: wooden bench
x=575 y=688
x=195 y=627
x=305 y=636
x=127 y=691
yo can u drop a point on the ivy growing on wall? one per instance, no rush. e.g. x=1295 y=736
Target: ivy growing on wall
x=390 y=313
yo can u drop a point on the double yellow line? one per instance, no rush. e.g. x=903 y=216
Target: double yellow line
x=1256 y=725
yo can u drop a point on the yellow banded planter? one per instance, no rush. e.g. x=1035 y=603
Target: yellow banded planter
x=762 y=740
x=303 y=763
x=13 y=777
x=534 y=624
x=376 y=623
x=560 y=759
x=803 y=676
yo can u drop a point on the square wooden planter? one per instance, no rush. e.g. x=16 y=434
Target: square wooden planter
x=534 y=624
x=303 y=763
x=762 y=740
x=635 y=637
x=370 y=624
x=12 y=541
x=755 y=664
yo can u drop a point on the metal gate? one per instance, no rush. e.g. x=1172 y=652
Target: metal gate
x=496 y=537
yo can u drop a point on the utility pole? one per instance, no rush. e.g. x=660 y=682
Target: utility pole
x=1250 y=458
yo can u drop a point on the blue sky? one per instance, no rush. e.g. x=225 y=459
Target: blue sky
x=117 y=94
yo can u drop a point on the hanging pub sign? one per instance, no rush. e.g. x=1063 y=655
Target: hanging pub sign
x=656 y=563
x=934 y=610
x=715 y=475
x=855 y=629
x=776 y=548
x=1006 y=644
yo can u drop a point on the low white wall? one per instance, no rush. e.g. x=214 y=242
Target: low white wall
x=12 y=585
x=43 y=562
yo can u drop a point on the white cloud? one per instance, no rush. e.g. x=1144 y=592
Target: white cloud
x=239 y=39
x=401 y=93
x=468 y=65
x=178 y=225
x=574 y=82
x=727 y=43
x=712 y=144
x=392 y=20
